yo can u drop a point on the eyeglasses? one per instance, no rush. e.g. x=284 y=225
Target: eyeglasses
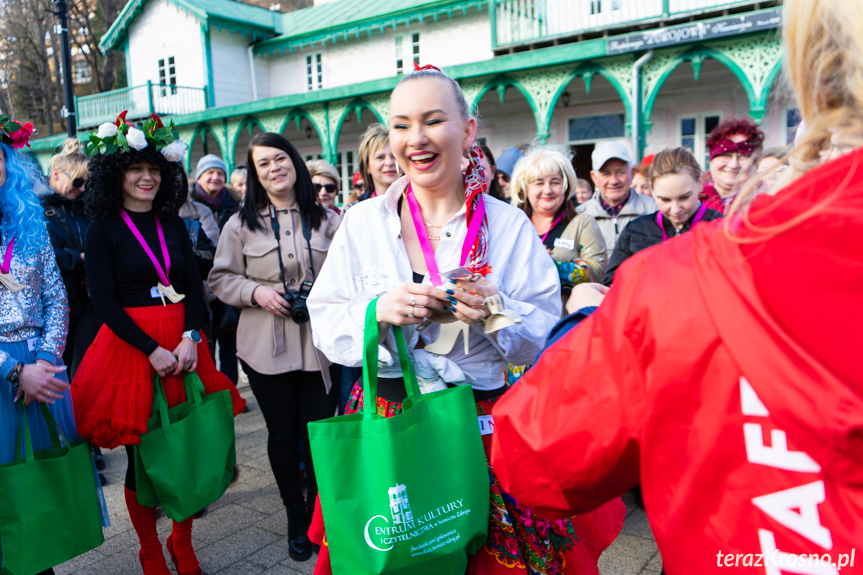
x=77 y=183
x=741 y=158
x=330 y=188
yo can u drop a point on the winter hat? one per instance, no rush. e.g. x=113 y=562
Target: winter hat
x=210 y=161
x=507 y=160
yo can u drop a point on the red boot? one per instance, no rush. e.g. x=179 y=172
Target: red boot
x=179 y=546
x=144 y=521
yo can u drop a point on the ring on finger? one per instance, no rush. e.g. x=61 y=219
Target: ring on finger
x=413 y=300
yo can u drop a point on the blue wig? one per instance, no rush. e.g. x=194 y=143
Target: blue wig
x=20 y=210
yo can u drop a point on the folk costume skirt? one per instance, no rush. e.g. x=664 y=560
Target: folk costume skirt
x=113 y=388
x=517 y=539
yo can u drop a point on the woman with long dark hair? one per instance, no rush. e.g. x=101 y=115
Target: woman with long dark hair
x=145 y=285
x=269 y=255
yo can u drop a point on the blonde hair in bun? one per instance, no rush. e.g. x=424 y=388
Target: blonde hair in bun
x=71 y=159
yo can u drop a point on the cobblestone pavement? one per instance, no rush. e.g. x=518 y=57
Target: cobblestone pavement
x=244 y=533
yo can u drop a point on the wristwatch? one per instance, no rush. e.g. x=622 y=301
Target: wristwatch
x=193 y=334
x=15 y=374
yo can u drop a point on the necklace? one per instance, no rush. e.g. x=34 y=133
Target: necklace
x=431 y=226
x=435 y=238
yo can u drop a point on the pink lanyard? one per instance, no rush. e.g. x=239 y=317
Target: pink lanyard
x=557 y=220
x=7 y=258
x=425 y=244
x=163 y=274
x=698 y=216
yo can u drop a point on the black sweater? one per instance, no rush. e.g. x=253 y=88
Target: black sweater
x=120 y=274
x=642 y=233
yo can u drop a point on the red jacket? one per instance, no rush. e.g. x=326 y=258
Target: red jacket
x=726 y=378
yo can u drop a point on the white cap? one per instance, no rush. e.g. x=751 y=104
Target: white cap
x=607 y=151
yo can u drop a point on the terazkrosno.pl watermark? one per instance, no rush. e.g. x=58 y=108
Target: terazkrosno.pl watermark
x=781 y=560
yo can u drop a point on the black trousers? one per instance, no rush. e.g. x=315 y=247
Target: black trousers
x=84 y=324
x=288 y=402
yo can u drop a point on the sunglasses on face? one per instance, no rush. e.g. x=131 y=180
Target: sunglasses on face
x=330 y=188
x=503 y=177
x=77 y=183
x=359 y=186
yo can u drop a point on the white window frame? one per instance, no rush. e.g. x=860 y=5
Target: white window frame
x=167 y=73
x=700 y=136
x=82 y=72
x=346 y=163
x=314 y=63
x=407 y=48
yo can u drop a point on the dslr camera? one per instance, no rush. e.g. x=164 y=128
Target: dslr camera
x=297 y=300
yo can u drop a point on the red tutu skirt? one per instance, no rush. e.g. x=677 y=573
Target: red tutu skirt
x=113 y=388
x=518 y=540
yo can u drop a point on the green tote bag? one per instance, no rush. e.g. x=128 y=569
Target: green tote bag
x=407 y=494
x=186 y=459
x=49 y=511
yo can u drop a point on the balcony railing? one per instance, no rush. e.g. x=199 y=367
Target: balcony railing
x=140 y=101
x=526 y=21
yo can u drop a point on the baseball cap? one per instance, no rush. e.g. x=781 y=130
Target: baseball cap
x=608 y=151
x=507 y=160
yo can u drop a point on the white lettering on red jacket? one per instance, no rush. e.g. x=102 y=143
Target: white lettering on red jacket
x=795 y=508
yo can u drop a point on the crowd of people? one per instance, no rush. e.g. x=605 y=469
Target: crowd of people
x=662 y=322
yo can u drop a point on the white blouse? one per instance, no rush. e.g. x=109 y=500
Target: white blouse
x=368 y=258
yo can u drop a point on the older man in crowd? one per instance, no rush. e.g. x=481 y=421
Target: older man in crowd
x=614 y=203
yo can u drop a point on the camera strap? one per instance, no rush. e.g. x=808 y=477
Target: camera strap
x=307 y=234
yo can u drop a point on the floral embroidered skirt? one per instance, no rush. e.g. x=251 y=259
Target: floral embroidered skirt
x=517 y=539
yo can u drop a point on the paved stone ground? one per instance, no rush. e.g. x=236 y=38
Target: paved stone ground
x=244 y=533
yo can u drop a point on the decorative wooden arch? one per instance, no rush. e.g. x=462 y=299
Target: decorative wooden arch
x=357 y=105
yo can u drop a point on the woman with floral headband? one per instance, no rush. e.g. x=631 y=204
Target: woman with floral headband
x=145 y=285
x=394 y=248
x=33 y=311
x=732 y=145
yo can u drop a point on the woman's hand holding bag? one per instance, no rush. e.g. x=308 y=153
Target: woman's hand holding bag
x=405 y=494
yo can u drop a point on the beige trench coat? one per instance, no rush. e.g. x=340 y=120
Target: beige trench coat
x=245 y=260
